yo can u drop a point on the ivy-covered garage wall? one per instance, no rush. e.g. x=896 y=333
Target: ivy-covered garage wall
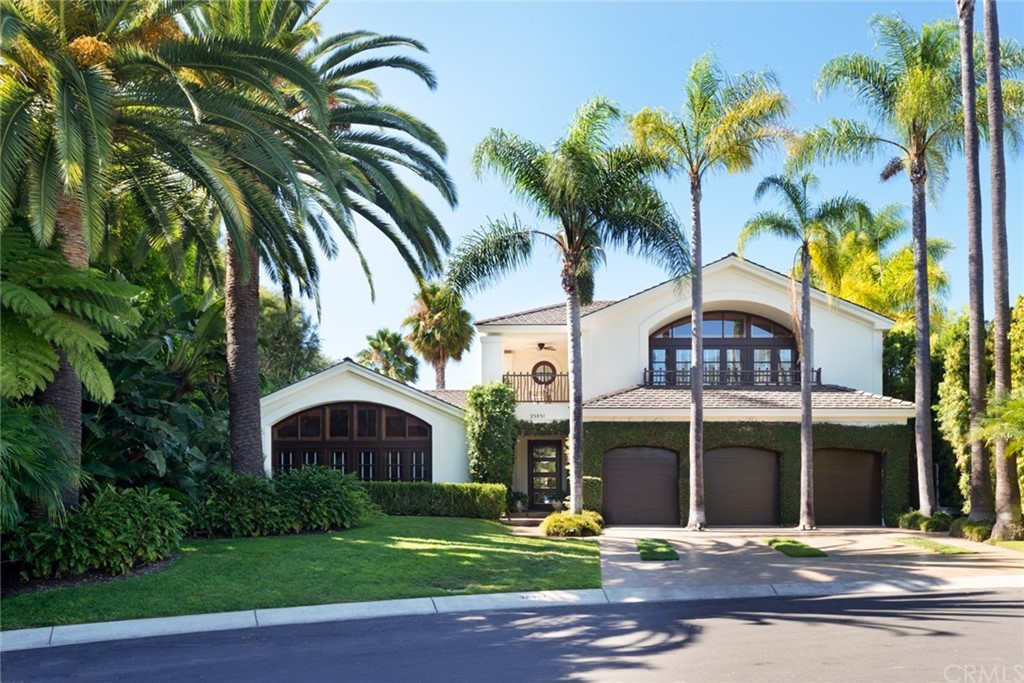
x=894 y=442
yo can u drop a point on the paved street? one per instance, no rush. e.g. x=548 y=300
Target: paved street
x=946 y=637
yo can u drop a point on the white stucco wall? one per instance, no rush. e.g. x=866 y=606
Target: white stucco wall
x=450 y=460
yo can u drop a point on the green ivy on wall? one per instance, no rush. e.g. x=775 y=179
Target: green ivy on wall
x=553 y=428
x=894 y=442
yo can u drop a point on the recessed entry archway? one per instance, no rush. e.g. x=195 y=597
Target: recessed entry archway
x=375 y=442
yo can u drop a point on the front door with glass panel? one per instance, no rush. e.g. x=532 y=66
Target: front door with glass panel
x=546 y=471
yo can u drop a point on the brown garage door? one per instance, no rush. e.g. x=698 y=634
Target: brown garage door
x=741 y=486
x=847 y=487
x=641 y=486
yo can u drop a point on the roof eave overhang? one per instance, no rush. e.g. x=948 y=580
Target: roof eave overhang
x=863 y=415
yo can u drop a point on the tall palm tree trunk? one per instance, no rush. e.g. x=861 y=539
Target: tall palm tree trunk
x=922 y=343
x=64 y=393
x=806 y=362
x=572 y=314
x=981 y=481
x=439 y=372
x=697 y=518
x=241 y=313
x=1008 y=514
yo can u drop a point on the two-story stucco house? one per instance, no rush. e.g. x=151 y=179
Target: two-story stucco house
x=636 y=360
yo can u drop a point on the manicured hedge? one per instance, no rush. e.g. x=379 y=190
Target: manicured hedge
x=593 y=492
x=913 y=519
x=314 y=498
x=894 y=442
x=112 y=532
x=972 y=531
x=486 y=501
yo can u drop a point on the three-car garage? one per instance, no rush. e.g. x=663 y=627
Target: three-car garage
x=741 y=487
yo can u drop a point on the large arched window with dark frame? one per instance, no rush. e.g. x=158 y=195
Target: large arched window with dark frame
x=739 y=349
x=372 y=441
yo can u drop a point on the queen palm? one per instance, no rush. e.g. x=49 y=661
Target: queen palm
x=388 y=353
x=439 y=328
x=981 y=503
x=1007 y=500
x=816 y=228
x=595 y=194
x=913 y=94
x=355 y=174
x=725 y=124
x=103 y=99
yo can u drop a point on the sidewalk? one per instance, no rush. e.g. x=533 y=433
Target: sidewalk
x=720 y=564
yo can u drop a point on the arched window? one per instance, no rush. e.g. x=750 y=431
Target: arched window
x=375 y=442
x=739 y=348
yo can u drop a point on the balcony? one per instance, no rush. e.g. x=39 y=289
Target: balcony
x=730 y=378
x=529 y=390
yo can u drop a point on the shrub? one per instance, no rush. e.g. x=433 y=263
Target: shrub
x=486 y=501
x=321 y=498
x=238 y=505
x=491 y=432
x=587 y=523
x=940 y=521
x=911 y=520
x=972 y=531
x=114 y=531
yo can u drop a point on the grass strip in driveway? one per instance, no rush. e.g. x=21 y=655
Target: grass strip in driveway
x=387 y=558
x=1011 y=545
x=934 y=546
x=655 y=549
x=793 y=548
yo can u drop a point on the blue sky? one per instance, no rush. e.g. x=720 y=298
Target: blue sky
x=526 y=67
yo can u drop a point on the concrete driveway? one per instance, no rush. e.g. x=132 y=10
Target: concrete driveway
x=726 y=561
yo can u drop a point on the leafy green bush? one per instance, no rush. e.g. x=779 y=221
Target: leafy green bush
x=940 y=521
x=321 y=498
x=486 y=501
x=114 y=531
x=491 y=432
x=238 y=505
x=910 y=520
x=587 y=523
x=972 y=531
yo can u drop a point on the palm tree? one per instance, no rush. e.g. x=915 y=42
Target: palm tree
x=876 y=269
x=440 y=328
x=353 y=175
x=725 y=124
x=981 y=482
x=106 y=99
x=1007 y=501
x=388 y=353
x=816 y=228
x=596 y=194
x=913 y=93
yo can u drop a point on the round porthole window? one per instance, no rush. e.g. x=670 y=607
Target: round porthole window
x=543 y=372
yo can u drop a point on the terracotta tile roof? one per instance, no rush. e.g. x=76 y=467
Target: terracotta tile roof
x=825 y=397
x=454 y=397
x=546 y=315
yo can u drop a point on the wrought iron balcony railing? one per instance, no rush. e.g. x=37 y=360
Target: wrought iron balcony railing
x=529 y=390
x=729 y=378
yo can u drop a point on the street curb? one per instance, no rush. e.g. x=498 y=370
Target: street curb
x=57 y=636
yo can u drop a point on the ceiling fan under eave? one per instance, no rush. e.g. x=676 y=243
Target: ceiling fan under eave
x=541 y=346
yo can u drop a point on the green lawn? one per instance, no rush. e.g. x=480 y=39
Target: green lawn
x=389 y=557
x=934 y=546
x=793 y=548
x=655 y=549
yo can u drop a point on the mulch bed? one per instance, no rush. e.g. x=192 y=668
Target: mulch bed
x=13 y=584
